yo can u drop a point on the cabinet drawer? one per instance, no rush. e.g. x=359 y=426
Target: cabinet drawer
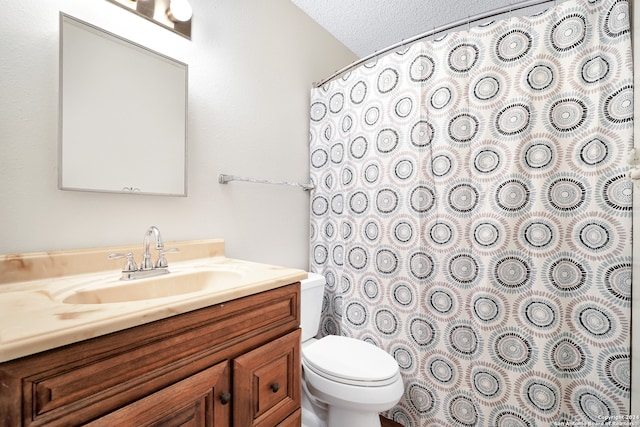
x=270 y=376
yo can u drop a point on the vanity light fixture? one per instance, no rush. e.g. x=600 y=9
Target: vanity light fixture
x=179 y=11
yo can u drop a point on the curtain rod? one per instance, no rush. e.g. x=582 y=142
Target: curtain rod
x=223 y=179
x=450 y=26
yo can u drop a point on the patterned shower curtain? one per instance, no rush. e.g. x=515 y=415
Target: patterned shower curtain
x=472 y=217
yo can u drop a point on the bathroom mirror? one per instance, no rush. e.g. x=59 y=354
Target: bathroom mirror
x=123 y=114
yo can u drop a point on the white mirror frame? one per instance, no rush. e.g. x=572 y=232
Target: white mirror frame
x=123 y=114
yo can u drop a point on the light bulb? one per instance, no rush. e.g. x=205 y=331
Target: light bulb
x=179 y=10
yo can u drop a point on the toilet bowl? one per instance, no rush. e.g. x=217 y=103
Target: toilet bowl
x=346 y=382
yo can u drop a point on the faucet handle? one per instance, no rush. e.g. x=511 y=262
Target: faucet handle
x=162 y=261
x=130 y=265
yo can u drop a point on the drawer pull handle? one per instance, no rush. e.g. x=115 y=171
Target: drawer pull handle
x=225 y=398
x=275 y=387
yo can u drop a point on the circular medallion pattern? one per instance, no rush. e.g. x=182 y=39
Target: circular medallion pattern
x=442 y=301
x=318 y=111
x=358 y=92
x=463 y=198
x=616 y=370
x=569 y=32
x=565 y=195
x=387 y=141
x=510 y=416
x=615 y=275
x=512 y=196
x=387 y=80
x=568 y=358
x=594 y=152
x=441 y=97
x=512 y=349
x=462 y=338
x=358 y=258
x=372 y=173
x=618 y=107
x=463 y=268
x=513 y=45
x=513 y=119
x=358 y=147
x=404 y=357
x=487 y=308
x=403 y=294
x=441 y=165
x=616 y=193
x=441 y=370
x=616 y=22
x=386 y=321
x=462 y=410
x=358 y=202
x=442 y=234
x=386 y=261
x=372 y=115
x=404 y=107
x=336 y=102
x=356 y=313
x=539 y=155
x=422 y=134
x=421 y=399
x=422 y=199
x=421 y=265
x=512 y=271
x=540 y=77
x=568 y=114
x=487 y=161
x=404 y=169
x=387 y=201
x=422 y=332
x=463 y=57
x=422 y=68
x=565 y=273
x=463 y=128
x=595 y=69
x=487 y=88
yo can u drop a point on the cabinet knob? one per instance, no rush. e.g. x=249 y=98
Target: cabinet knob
x=275 y=387
x=225 y=398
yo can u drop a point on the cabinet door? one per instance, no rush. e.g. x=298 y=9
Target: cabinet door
x=194 y=402
x=294 y=420
x=266 y=383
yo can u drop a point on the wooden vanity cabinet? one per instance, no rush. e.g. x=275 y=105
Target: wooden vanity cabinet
x=231 y=364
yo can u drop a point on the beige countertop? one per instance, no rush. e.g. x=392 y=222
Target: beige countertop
x=33 y=288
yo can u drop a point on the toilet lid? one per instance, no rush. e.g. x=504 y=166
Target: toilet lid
x=351 y=361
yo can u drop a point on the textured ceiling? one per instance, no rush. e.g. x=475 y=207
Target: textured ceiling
x=366 y=26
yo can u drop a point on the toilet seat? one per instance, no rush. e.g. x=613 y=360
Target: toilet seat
x=350 y=361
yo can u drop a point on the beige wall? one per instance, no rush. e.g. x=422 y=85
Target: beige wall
x=251 y=63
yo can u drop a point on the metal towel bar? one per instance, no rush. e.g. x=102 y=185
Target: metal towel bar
x=223 y=179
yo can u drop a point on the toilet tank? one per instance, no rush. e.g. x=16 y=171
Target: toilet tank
x=312 y=292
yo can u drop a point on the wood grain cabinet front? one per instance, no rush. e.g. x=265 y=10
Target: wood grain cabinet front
x=232 y=364
x=266 y=383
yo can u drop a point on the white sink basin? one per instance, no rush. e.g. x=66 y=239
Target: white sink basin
x=169 y=285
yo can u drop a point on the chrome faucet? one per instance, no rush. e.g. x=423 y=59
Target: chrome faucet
x=147 y=267
x=146 y=263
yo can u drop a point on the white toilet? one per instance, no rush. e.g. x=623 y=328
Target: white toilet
x=345 y=382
